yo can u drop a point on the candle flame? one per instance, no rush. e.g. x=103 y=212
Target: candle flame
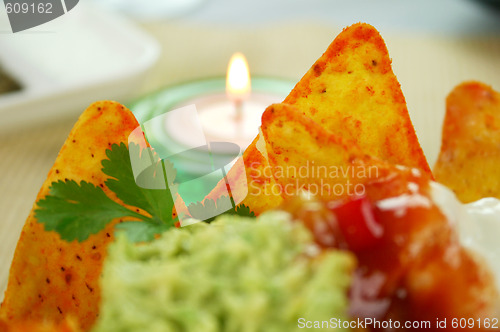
x=238 y=78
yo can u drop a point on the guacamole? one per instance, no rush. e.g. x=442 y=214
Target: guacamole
x=235 y=274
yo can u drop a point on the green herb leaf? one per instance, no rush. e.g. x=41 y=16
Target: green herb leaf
x=223 y=206
x=76 y=211
x=244 y=211
x=157 y=202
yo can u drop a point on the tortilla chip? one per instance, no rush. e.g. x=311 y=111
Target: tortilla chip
x=305 y=156
x=263 y=190
x=51 y=279
x=470 y=149
x=253 y=174
x=352 y=91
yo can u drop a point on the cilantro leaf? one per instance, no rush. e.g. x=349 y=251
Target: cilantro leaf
x=157 y=201
x=76 y=211
x=223 y=206
x=243 y=210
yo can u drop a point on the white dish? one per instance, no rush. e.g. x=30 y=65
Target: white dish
x=64 y=65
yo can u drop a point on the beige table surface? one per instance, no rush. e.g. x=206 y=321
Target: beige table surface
x=428 y=67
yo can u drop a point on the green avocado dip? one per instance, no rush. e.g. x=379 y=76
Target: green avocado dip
x=235 y=274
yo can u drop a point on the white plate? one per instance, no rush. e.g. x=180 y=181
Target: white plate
x=64 y=65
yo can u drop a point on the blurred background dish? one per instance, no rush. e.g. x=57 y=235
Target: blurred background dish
x=68 y=63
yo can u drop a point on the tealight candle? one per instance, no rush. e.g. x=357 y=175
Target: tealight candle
x=233 y=116
x=228 y=110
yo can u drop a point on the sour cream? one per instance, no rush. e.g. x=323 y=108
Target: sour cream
x=478 y=224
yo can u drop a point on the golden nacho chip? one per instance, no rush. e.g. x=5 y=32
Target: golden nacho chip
x=352 y=91
x=305 y=156
x=50 y=278
x=470 y=148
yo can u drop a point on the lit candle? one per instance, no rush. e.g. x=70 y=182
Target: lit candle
x=238 y=85
x=228 y=110
x=238 y=89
